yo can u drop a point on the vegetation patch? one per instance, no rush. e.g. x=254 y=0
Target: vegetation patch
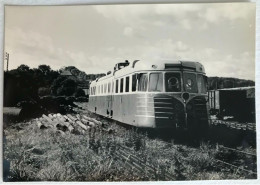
x=106 y=153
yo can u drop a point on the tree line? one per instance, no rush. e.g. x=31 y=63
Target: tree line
x=28 y=84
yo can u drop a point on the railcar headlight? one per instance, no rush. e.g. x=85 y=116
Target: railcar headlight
x=185 y=96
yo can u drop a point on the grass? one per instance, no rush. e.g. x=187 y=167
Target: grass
x=45 y=155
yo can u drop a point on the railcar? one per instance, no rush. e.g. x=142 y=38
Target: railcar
x=238 y=103
x=154 y=94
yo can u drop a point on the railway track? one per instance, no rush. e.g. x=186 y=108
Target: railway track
x=235 y=125
x=239 y=160
x=127 y=157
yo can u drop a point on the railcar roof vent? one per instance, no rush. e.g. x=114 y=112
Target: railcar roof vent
x=169 y=66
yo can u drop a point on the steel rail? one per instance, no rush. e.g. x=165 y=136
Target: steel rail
x=239 y=151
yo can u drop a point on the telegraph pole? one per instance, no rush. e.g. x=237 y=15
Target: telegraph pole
x=7 y=60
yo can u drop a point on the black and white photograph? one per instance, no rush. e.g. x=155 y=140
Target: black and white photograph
x=129 y=92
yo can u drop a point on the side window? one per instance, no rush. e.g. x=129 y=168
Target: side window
x=108 y=89
x=134 y=80
x=127 y=84
x=121 y=85
x=105 y=90
x=142 y=83
x=116 y=86
x=112 y=90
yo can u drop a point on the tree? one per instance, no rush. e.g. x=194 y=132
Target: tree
x=45 y=69
x=23 y=68
x=64 y=86
x=80 y=92
x=67 y=87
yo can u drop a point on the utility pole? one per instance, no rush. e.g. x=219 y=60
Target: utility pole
x=7 y=60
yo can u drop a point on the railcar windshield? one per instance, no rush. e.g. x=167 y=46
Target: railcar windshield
x=190 y=82
x=172 y=82
x=202 y=83
x=156 y=82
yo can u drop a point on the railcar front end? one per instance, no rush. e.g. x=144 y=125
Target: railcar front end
x=173 y=99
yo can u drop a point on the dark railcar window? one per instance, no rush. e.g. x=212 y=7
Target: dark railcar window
x=116 y=86
x=190 y=82
x=142 y=83
x=121 y=85
x=134 y=80
x=172 y=82
x=108 y=89
x=156 y=82
x=127 y=84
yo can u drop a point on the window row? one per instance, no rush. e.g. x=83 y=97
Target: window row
x=155 y=82
x=118 y=86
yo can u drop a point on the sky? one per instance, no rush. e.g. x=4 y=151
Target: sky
x=94 y=38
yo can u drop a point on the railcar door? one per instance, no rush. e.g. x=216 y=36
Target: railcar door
x=110 y=99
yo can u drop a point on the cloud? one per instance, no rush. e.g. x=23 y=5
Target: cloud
x=113 y=33
x=227 y=11
x=33 y=49
x=137 y=15
x=128 y=31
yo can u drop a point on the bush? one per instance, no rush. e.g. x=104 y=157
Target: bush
x=63 y=86
x=80 y=92
x=44 y=91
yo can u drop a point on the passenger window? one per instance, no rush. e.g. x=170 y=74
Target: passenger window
x=127 y=84
x=142 y=83
x=134 y=80
x=121 y=85
x=172 y=82
x=116 y=86
x=105 y=90
x=112 y=90
x=156 y=82
x=108 y=87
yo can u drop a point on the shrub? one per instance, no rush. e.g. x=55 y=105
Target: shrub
x=44 y=91
x=80 y=92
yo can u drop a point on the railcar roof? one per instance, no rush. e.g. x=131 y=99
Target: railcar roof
x=155 y=65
